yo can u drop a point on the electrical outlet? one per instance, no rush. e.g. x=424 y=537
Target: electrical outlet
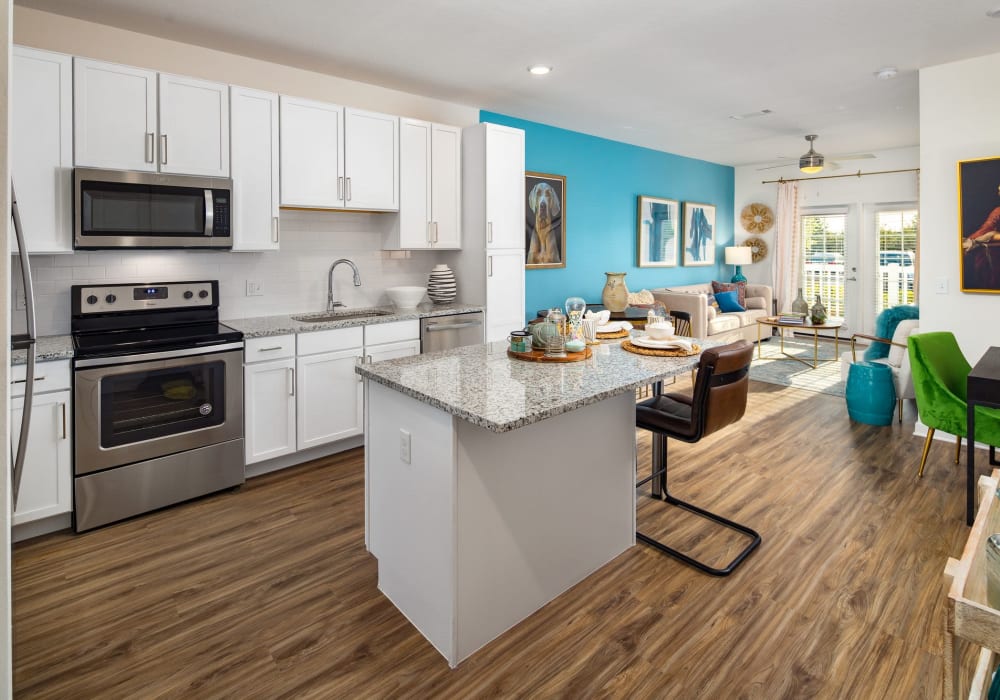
x=255 y=288
x=404 y=446
x=941 y=285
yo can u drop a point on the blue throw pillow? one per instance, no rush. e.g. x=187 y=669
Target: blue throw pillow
x=728 y=302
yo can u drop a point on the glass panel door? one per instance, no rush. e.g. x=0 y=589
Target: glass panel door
x=824 y=249
x=896 y=268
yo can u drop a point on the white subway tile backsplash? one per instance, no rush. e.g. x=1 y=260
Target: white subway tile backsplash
x=294 y=279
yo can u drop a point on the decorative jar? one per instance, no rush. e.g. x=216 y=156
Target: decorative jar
x=818 y=312
x=615 y=294
x=800 y=305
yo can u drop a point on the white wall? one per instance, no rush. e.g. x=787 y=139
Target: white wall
x=859 y=195
x=959 y=108
x=294 y=278
x=6 y=643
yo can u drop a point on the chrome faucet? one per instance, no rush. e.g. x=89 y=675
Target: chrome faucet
x=330 y=303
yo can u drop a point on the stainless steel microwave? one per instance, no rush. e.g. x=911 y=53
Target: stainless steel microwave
x=126 y=209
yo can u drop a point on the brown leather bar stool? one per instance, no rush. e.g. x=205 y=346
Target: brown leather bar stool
x=718 y=400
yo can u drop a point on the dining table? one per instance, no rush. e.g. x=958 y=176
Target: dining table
x=982 y=389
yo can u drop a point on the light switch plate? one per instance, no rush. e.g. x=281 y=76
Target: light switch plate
x=941 y=285
x=404 y=446
x=255 y=288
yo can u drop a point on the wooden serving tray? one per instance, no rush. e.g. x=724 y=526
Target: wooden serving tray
x=539 y=356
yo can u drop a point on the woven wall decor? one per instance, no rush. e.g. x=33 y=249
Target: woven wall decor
x=757 y=218
x=758 y=248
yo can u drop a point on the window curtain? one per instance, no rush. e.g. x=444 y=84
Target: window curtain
x=786 y=271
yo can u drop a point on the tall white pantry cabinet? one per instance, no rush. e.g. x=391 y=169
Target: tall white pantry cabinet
x=490 y=266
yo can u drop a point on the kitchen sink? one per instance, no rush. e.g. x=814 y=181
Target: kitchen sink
x=325 y=317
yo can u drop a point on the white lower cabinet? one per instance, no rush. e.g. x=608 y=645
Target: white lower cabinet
x=330 y=398
x=47 y=479
x=302 y=391
x=269 y=409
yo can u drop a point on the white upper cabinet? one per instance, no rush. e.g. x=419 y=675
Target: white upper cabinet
x=446 y=187
x=312 y=154
x=254 y=125
x=42 y=147
x=194 y=126
x=371 y=160
x=114 y=116
x=334 y=157
x=430 y=157
x=504 y=166
x=115 y=120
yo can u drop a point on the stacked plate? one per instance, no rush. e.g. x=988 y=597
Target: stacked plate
x=441 y=285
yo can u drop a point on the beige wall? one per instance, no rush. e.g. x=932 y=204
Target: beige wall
x=44 y=30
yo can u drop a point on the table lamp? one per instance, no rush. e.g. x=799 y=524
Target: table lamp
x=736 y=256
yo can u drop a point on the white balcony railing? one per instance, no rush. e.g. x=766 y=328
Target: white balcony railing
x=895 y=286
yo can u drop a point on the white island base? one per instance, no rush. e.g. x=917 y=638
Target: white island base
x=479 y=529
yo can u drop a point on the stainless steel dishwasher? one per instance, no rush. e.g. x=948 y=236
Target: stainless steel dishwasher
x=451 y=331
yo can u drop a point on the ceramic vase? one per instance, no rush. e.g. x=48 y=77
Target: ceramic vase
x=818 y=312
x=615 y=294
x=441 y=285
x=800 y=305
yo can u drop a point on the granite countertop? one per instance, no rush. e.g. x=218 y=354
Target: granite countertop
x=262 y=326
x=48 y=349
x=481 y=384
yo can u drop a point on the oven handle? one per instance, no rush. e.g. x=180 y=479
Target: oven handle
x=165 y=355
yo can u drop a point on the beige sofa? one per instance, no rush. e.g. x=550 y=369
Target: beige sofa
x=708 y=323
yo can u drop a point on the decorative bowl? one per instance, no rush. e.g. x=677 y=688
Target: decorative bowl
x=406 y=297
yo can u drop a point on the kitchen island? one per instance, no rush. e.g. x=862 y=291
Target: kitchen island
x=493 y=485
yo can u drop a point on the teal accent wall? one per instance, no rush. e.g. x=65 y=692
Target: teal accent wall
x=603 y=181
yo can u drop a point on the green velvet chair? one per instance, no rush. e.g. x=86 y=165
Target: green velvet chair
x=939 y=371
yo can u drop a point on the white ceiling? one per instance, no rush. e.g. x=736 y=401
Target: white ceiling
x=659 y=73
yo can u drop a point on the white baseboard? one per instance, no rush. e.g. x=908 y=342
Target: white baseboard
x=285 y=461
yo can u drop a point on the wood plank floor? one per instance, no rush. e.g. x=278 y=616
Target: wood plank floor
x=268 y=591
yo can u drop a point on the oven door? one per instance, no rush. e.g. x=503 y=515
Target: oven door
x=157 y=404
x=123 y=209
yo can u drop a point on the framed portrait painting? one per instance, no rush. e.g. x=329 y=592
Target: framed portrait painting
x=699 y=234
x=545 y=220
x=979 y=224
x=658 y=229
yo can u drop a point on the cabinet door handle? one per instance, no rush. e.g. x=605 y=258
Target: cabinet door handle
x=489 y=231
x=348 y=189
x=291 y=377
x=275 y=231
x=62 y=407
x=276 y=347
x=360 y=361
x=150 y=143
x=163 y=149
x=24 y=381
x=340 y=188
x=489 y=265
x=435 y=232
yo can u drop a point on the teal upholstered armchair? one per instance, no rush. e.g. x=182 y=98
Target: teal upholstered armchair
x=939 y=371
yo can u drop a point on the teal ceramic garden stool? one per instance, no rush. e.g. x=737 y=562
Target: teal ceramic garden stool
x=871 y=396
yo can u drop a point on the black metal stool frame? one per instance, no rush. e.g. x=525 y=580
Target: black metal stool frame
x=659 y=486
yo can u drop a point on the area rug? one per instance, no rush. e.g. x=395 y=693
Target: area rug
x=824 y=379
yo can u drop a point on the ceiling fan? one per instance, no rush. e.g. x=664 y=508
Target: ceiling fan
x=812 y=162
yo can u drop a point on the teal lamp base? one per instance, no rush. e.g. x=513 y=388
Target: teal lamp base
x=738 y=274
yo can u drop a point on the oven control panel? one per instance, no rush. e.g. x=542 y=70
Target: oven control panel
x=117 y=298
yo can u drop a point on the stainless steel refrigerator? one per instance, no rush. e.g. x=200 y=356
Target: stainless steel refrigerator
x=23 y=341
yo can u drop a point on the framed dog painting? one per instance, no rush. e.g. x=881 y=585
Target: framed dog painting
x=657 y=230
x=699 y=234
x=545 y=225
x=979 y=224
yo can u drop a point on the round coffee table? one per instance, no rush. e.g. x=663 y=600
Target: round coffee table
x=832 y=324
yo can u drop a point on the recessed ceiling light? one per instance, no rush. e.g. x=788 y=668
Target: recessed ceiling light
x=994 y=13
x=751 y=115
x=539 y=69
x=887 y=73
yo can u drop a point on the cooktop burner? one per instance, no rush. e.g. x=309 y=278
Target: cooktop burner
x=127 y=319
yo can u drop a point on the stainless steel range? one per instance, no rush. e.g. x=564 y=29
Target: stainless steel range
x=158 y=397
